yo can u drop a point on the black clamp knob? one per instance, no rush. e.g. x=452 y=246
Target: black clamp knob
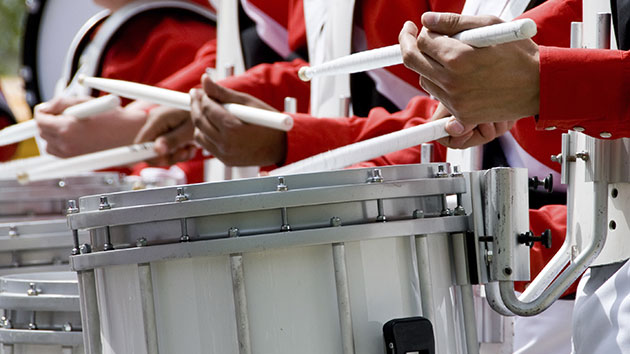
x=528 y=238
x=547 y=183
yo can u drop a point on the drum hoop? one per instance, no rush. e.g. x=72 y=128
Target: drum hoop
x=28 y=336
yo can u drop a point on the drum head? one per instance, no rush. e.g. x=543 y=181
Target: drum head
x=50 y=28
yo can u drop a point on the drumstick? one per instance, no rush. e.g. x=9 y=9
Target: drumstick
x=180 y=100
x=8 y=170
x=378 y=58
x=368 y=149
x=25 y=130
x=89 y=162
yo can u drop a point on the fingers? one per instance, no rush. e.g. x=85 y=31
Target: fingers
x=57 y=105
x=413 y=58
x=219 y=93
x=440 y=112
x=451 y=23
x=161 y=121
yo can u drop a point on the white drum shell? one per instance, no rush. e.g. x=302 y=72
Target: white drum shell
x=291 y=292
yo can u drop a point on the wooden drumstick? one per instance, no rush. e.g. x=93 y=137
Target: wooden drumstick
x=180 y=100
x=25 y=130
x=391 y=55
x=89 y=162
x=368 y=149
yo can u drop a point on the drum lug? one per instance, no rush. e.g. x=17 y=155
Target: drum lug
x=418 y=214
x=285 y=220
x=375 y=176
x=85 y=248
x=33 y=290
x=181 y=196
x=104 y=204
x=141 y=242
x=281 y=187
x=184 y=227
x=13 y=231
x=335 y=221
x=381 y=214
x=234 y=232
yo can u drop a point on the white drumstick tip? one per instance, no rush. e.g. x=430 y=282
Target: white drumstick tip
x=304 y=74
x=527 y=29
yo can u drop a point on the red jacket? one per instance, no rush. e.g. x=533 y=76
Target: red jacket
x=170 y=50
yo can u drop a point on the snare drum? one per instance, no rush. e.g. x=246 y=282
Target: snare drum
x=50 y=197
x=35 y=246
x=41 y=314
x=308 y=263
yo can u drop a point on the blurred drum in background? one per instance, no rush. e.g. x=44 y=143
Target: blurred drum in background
x=50 y=197
x=49 y=32
x=41 y=314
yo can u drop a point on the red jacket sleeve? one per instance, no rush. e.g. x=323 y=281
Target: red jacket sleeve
x=311 y=135
x=272 y=83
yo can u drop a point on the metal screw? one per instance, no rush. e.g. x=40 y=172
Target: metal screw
x=582 y=155
x=67 y=327
x=184 y=227
x=32 y=290
x=418 y=214
x=381 y=215
x=13 y=231
x=233 y=232
x=75 y=241
x=441 y=172
x=335 y=221
x=488 y=257
x=456 y=172
x=108 y=246
x=281 y=187
x=181 y=196
x=507 y=271
x=61 y=183
x=72 y=207
x=375 y=176
x=285 y=220
x=556 y=158
x=85 y=248
x=104 y=205
x=141 y=242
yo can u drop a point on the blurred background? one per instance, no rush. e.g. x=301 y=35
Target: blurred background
x=12 y=19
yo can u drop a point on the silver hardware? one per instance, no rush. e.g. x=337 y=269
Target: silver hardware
x=578 y=129
x=574 y=252
x=181 y=196
x=582 y=155
x=488 y=256
x=550 y=128
x=556 y=158
x=456 y=172
x=381 y=215
x=184 y=227
x=603 y=25
x=108 y=240
x=459 y=209
x=335 y=221
x=61 y=183
x=418 y=214
x=104 y=204
x=32 y=290
x=85 y=248
x=72 y=207
x=605 y=135
x=67 y=327
x=13 y=231
x=290 y=105
x=375 y=176
x=281 y=187
x=75 y=241
x=141 y=242
x=285 y=220
x=426 y=153
x=233 y=232
x=441 y=172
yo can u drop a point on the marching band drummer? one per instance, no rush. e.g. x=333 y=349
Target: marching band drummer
x=6 y=119
x=241 y=144
x=563 y=87
x=154 y=47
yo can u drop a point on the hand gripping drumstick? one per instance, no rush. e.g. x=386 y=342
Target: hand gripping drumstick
x=391 y=55
x=22 y=131
x=368 y=149
x=89 y=162
x=263 y=117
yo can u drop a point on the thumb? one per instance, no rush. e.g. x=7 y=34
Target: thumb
x=451 y=23
x=456 y=128
x=218 y=92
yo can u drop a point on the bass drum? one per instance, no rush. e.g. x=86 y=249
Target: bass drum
x=50 y=29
